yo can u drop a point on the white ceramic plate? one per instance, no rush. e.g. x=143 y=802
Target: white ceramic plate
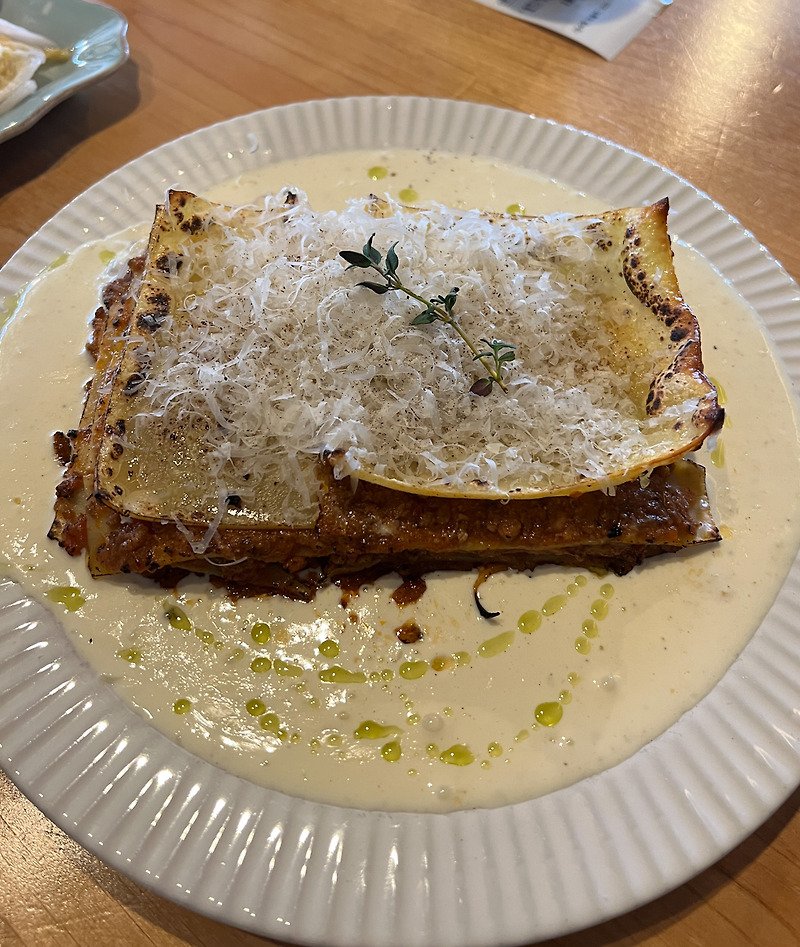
x=93 y=33
x=318 y=874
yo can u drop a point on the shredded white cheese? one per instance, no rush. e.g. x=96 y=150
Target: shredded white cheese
x=279 y=349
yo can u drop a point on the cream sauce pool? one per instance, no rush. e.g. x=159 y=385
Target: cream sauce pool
x=323 y=700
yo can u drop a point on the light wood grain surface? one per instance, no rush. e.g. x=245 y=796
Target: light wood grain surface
x=710 y=89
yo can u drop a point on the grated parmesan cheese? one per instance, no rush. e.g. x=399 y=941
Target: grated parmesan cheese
x=276 y=347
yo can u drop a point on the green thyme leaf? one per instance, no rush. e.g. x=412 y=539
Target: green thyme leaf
x=379 y=288
x=391 y=260
x=371 y=253
x=426 y=317
x=355 y=259
x=482 y=387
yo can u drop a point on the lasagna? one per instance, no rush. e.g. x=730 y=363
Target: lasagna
x=257 y=415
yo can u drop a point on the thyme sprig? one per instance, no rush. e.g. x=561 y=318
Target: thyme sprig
x=437 y=309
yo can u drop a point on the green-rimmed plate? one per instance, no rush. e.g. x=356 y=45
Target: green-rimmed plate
x=93 y=34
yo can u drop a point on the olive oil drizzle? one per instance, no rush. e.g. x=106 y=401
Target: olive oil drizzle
x=388 y=737
x=546 y=715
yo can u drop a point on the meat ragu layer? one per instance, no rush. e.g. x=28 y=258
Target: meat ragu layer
x=366 y=529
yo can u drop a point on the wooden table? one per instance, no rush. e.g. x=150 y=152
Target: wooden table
x=709 y=89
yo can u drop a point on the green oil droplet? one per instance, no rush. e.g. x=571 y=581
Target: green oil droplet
x=583 y=645
x=580 y=580
x=334 y=739
x=548 y=714
x=387 y=674
x=295 y=738
x=413 y=719
x=272 y=724
x=590 y=629
x=131 y=655
x=411 y=670
x=286 y=669
x=607 y=590
x=329 y=648
x=572 y=589
x=338 y=675
x=205 y=636
x=574 y=678
x=260 y=632
x=67 y=595
x=554 y=604
x=522 y=735
x=462 y=658
x=60 y=260
x=718 y=454
x=457 y=755
x=106 y=256
x=495 y=750
x=391 y=751
x=255 y=707
x=377 y=173
x=497 y=645
x=182 y=706
x=565 y=697
x=515 y=209
x=529 y=621
x=178 y=618
x=370 y=730
x=599 y=609
x=314 y=745
x=8 y=306
x=722 y=397
x=408 y=194
x=260 y=665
